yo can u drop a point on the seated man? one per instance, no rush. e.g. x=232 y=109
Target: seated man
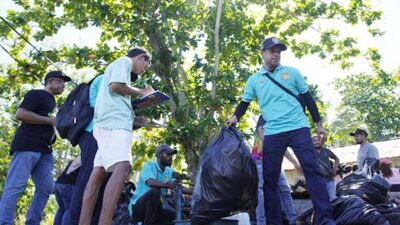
x=154 y=180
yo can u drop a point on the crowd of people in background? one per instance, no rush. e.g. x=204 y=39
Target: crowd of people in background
x=88 y=189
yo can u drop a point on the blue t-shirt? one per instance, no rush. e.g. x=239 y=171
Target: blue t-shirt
x=150 y=170
x=93 y=91
x=281 y=111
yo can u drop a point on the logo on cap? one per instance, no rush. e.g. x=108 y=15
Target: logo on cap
x=275 y=40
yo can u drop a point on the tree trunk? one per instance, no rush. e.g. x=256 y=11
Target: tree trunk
x=216 y=40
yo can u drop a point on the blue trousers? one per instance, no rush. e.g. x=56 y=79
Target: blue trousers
x=63 y=193
x=274 y=148
x=25 y=164
x=284 y=196
x=88 y=146
x=331 y=187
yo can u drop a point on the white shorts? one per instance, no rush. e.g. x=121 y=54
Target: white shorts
x=113 y=146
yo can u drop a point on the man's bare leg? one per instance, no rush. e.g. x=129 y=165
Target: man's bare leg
x=89 y=199
x=113 y=191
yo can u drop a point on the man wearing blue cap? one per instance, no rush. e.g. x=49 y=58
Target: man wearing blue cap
x=31 y=150
x=156 y=177
x=281 y=92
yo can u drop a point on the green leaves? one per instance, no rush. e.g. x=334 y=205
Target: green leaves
x=180 y=37
x=374 y=101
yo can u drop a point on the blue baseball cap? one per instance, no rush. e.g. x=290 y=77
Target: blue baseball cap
x=272 y=42
x=165 y=148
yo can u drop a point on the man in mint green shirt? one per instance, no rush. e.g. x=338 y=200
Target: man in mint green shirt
x=113 y=123
x=286 y=126
x=155 y=178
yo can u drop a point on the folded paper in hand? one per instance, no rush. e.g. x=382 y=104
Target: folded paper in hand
x=157 y=94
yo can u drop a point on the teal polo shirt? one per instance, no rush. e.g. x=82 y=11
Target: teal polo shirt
x=150 y=170
x=281 y=111
x=93 y=91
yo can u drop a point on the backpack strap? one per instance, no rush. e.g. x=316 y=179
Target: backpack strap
x=285 y=90
x=94 y=78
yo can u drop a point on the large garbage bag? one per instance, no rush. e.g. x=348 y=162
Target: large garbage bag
x=350 y=184
x=391 y=212
x=375 y=191
x=227 y=179
x=352 y=210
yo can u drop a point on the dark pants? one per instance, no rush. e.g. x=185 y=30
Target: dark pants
x=63 y=194
x=88 y=146
x=149 y=210
x=274 y=148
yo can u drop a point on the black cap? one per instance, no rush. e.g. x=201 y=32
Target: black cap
x=56 y=74
x=359 y=131
x=165 y=148
x=272 y=42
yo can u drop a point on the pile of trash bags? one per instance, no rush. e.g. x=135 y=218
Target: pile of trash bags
x=227 y=180
x=352 y=210
x=363 y=199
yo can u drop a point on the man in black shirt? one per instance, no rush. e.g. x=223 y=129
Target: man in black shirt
x=32 y=151
x=328 y=169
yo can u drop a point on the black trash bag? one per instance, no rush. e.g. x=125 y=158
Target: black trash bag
x=226 y=181
x=374 y=165
x=352 y=210
x=391 y=212
x=121 y=214
x=350 y=184
x=374 y=191
x=306 y=217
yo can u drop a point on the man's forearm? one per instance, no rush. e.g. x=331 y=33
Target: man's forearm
x=138 y=122
x=30 y=117
x=289 y=157
x=156 y=184
x=124 y=89
x=337 y=163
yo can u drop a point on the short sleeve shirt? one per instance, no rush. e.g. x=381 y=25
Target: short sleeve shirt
x=114 y=111
x=366 y=151
x=150 y=170
x=93 y=91
x=324 y=155
x=281 y=111
x=35 y=137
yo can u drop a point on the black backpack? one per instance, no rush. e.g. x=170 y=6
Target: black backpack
x=75 y=113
